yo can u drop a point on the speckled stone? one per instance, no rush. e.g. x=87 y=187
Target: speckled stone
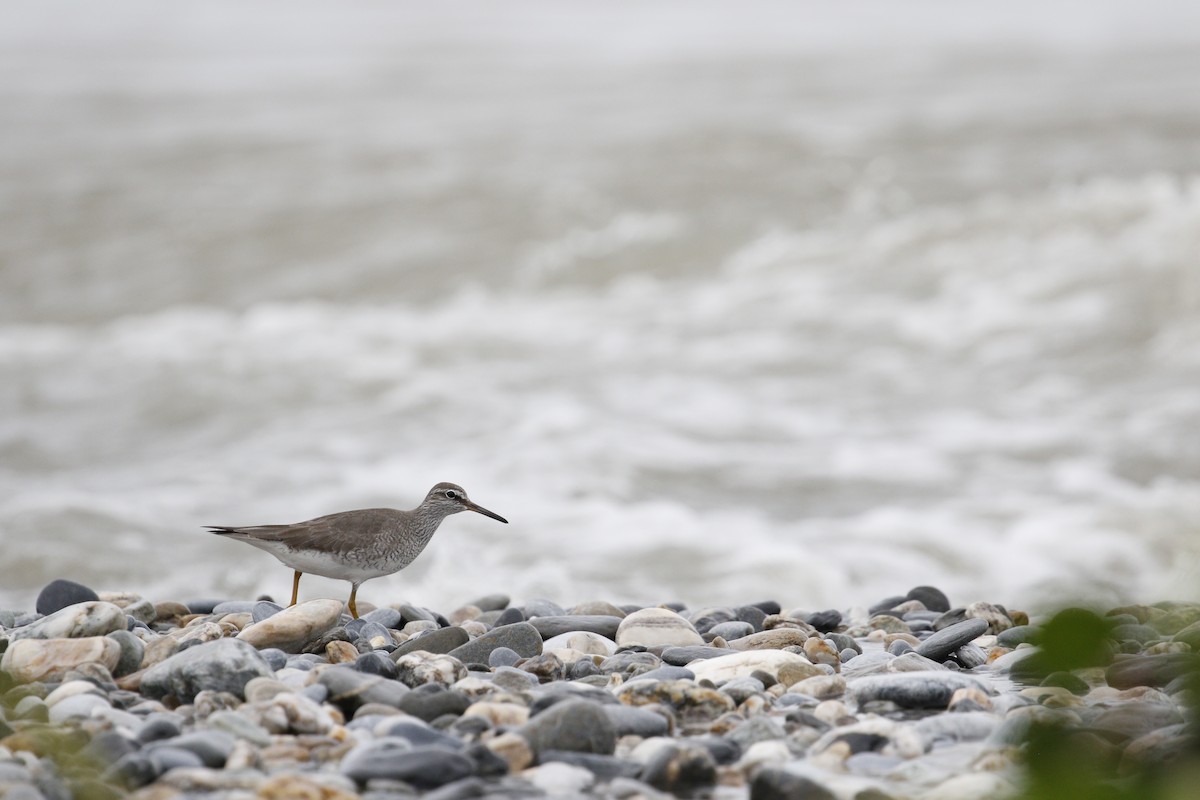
x=225 y=665
x=81 y=620
x=49 y=659
x=786 y=668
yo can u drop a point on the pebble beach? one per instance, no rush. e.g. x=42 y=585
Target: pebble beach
x=114 y=695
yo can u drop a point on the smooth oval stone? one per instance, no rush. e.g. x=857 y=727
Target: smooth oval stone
x=575 y=725
x=652 y=627
x=786 y=668
x=682 y=656
x=774 y=639
x=239 y=726
x=1135 y=633
x=235 y=607
x=60 y=593
x=549 y=627
x=417 y=734
x=913 y=689
x=521 y=637
x=225 y=665
x=159 y=726
x=931 y=597
x=631 y=720
x=944 y=642
x=503 y=657
x=492 y=602
x=275 y=657
x=165 y=758
x=92 y=618
x=50 y=659
x=540 y=607
x=442 y=640
x=426 y=767
x=376 y=662
x=292 y=628
x=509 y=616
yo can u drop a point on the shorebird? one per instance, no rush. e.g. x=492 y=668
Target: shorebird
x=358 y=545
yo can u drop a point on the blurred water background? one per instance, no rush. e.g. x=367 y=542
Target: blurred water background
x=716 y=303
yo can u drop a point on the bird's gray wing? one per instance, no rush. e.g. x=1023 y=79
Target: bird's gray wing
x=333 y=533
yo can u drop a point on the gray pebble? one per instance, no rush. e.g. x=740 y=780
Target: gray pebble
x=503 y=657
x=575 y=725
x=521 y=637
x=949 y=638
x=551 y=626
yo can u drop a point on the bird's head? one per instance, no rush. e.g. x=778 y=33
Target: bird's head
x=450 y=498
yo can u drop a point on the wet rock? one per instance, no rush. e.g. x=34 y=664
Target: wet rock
x=292 y=628
x=629 y=720
x=432 y=701
x=657 y=627
x=930 y=597
x=824 y=621
x=913 y=689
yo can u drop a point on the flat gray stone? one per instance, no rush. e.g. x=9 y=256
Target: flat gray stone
x=914 y=689
x=941 y=644
x=443 y=640
x=521 y=637
x=578 y=726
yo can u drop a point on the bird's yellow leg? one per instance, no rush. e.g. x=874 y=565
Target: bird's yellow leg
x=353 y=592
x=296 y=587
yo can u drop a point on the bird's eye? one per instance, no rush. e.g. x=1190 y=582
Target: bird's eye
x=453 y=495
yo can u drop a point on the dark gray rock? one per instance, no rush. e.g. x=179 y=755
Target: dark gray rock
x=931 y=597
x=350 y=689
x=60 y=593
x=951 y=617
x=376 y=662
x=768 y=607
x=521 y=637
x=442 y=640
x=681 y=656
x=913 y=689
x=887 y=604
x=841 y=642
x=771 y=783
x=509 y=616
x=900 y=647
x=159 y=726
x=432 y=701
x=947 y=640
x=637 y=721
x=224 y=665
x=165 y=758
x=824 y=621
x=575 y=725
x=754 y=615
x=550 y=627
x=1142 y=634
x=681 y=769
x=425 y=767
x=106 y=747
x=755 y=730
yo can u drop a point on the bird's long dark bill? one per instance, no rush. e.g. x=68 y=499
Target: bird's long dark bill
x=481 y=510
